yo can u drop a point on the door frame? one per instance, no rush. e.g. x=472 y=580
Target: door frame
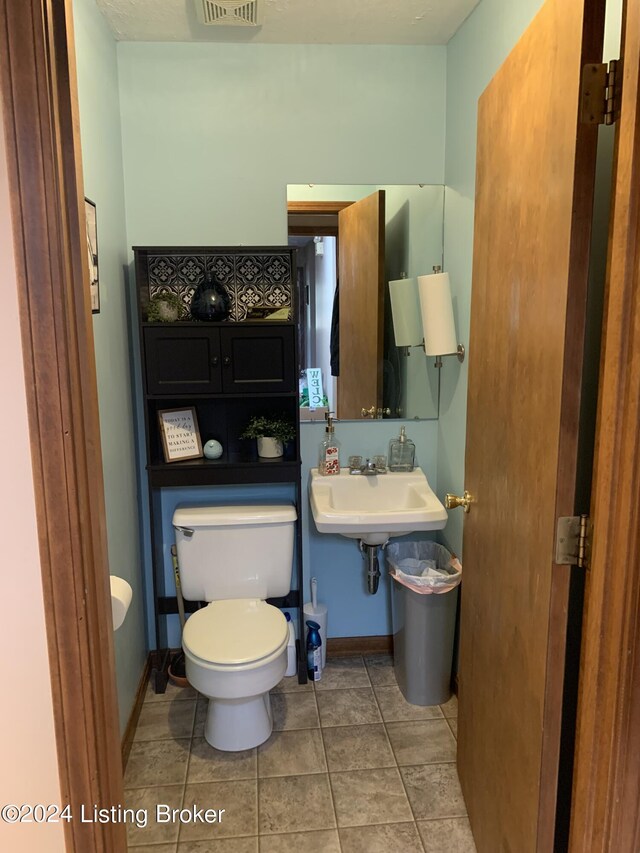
x=39 y=101
x=306 y=217
x=605 y=814
x=37 y=73
x=313 y=219
x=323 y=219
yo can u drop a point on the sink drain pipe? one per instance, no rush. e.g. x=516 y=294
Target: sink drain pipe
x=370 y=555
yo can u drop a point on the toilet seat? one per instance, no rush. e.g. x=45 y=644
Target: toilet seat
x=235 y=634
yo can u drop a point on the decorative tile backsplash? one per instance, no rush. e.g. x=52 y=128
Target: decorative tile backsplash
x=254 y=280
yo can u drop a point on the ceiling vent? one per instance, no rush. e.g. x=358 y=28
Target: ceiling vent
x=230 y=12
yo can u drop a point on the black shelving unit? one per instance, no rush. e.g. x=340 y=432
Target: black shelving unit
x=228 y=371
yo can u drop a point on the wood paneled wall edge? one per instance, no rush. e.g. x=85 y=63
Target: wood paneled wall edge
x=37 y=76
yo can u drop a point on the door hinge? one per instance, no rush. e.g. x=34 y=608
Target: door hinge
x=573 y=541
x=600 y=92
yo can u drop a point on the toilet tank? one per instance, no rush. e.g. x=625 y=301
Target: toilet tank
x=235 y=551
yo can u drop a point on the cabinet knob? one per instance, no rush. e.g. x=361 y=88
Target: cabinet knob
x=226 y=360
x=215 y=361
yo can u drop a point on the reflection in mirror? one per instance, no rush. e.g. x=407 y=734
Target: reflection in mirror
x=352 y=240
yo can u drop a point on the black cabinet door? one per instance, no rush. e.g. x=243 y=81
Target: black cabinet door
x=182 y=360
x=258 y=359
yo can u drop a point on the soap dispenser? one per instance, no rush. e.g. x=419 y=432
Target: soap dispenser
x=402 y=453
x=329 y=455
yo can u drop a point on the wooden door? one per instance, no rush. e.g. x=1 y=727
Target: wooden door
x=361 y=283
x=534 y=190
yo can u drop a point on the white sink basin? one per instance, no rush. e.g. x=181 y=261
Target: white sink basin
x=374 y=508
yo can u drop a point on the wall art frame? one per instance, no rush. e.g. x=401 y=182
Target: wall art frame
x=180 y=434
x=91 y=220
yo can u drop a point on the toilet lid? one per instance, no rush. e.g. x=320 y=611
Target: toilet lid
x=236 y=631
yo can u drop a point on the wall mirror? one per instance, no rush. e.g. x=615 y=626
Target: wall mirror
x=351 y=241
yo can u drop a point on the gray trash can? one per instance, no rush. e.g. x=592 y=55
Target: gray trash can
x=425 y=598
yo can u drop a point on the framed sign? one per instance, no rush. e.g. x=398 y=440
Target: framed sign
x=180 y=435
x=92 y=252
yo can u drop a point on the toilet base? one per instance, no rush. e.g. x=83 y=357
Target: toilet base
x=236 y=724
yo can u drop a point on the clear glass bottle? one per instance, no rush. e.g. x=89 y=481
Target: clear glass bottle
x=329 y=451
x=402 y=453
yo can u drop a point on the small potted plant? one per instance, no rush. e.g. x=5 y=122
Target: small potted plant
x=272 y=434
x=165 y=308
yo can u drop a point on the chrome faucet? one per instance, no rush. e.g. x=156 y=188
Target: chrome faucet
x=369 y=469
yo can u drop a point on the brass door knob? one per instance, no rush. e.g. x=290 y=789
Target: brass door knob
x=373 y=412
x=453 y=501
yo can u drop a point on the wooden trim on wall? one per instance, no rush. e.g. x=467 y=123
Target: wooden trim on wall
x=606 y=812
x=360 y=645
x=314 y=218
x=322 y=208
x=134 y=716
x=37 y=80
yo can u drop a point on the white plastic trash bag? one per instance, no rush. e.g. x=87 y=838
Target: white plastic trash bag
x=424 y=567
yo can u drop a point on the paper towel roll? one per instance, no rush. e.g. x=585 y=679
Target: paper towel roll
x=437 y=314
x=121 y=595
x=317 y=614
x=405 y=310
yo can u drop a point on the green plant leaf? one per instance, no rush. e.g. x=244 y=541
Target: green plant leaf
x=280 y=428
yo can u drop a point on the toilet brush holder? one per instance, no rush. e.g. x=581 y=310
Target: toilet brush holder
x=318 y=612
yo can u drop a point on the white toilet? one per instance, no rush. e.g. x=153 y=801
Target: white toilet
x=236 y=647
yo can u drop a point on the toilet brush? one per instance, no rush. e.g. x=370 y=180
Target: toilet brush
x=177 y=671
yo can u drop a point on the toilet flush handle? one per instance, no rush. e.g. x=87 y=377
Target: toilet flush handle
x=187 y=532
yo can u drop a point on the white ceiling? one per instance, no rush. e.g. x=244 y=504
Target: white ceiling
x=295 y=21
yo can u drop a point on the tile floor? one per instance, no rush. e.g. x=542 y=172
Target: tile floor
x=350 y=767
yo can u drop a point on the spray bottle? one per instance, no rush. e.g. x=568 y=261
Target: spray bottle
x=314 y=651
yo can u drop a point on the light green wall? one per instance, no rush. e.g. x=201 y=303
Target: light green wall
x=103 y=181
x=474 y=54
x=213 y=133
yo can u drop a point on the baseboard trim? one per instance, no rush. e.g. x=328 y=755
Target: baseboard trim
x=129 y=732
x=360 y=645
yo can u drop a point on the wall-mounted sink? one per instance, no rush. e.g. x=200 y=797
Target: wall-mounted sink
x=374 y=508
